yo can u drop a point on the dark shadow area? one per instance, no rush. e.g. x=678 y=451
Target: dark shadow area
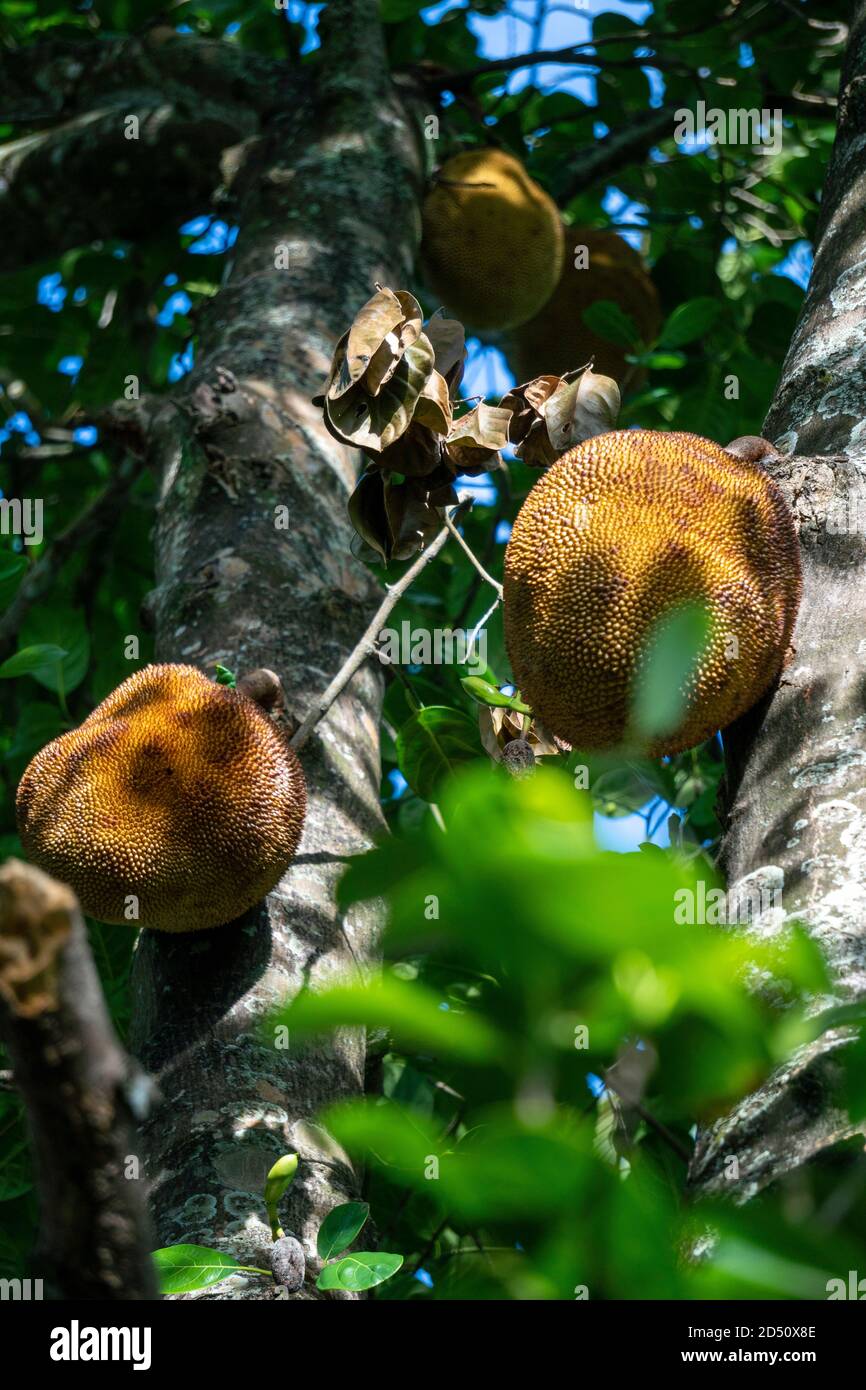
x=184 y=983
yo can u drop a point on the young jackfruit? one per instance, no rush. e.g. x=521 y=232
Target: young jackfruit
x=177 y=804
x=492 y=242
x=556 y=340
x=621 y=530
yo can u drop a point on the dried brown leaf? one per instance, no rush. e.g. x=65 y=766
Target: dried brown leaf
x=525 y=403
x=415 y=454
x=383 y=363
x=581 y=409
x=374 y=321
x=582 y=405
x=413 y=319
x=477 y=437
x=367 y=512
x=434 y=405
x=411 y=518
x=338 y=374
x=375 y=422
x=448 y=337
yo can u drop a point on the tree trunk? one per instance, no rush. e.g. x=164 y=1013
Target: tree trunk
x=336 y=184
x=796 y=800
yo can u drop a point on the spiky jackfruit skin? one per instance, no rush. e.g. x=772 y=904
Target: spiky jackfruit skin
x=492 y=241
x=176 y=790
x=619 y=531
x=556 y=340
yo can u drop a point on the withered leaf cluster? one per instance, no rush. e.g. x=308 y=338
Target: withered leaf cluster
x=500 y=727
x=392 y=393
x=553 y=413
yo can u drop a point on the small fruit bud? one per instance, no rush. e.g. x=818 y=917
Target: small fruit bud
x=519 y=758
x=288 y=1263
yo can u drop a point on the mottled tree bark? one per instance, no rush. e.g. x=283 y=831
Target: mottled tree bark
x=337 y=185
x=796 y=797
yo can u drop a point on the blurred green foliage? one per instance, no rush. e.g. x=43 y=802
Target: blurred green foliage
x=522 y=960
x=552 y=1040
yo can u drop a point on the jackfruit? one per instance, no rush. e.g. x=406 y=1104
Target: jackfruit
x=177 y=804
x=492 y=242
x=620 y=531
x=556 y=340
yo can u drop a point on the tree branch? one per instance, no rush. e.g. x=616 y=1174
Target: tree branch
x=114 y=185
x=366 y=643
x=628 y=145
x=82 y=1095
x=192 y=99
x=54 y=79
x=471 y=556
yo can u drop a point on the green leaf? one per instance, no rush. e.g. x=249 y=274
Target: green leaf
x=412 y=1012
x=38 y=723
x=16 y=1167
x=206 y=287
x=12 y=567
x=612 y=323
x=662 y=361
x=340 y=1227
x=661 y=692
x=360 y=1271
x=689 y=321
x=281 y=1175
x=620 y=792
x=62 y=626
x=36 y=661
x=183 y=1268
x=432 y=744
x=775 y=1276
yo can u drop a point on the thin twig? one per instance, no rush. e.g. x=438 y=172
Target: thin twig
x=481 y=621
x=431 y=1244
x=649 y=1118
x=488 y=578
x=366 y=645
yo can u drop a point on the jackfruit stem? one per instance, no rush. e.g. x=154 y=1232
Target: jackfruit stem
x=264 y=687
x=366 y=645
